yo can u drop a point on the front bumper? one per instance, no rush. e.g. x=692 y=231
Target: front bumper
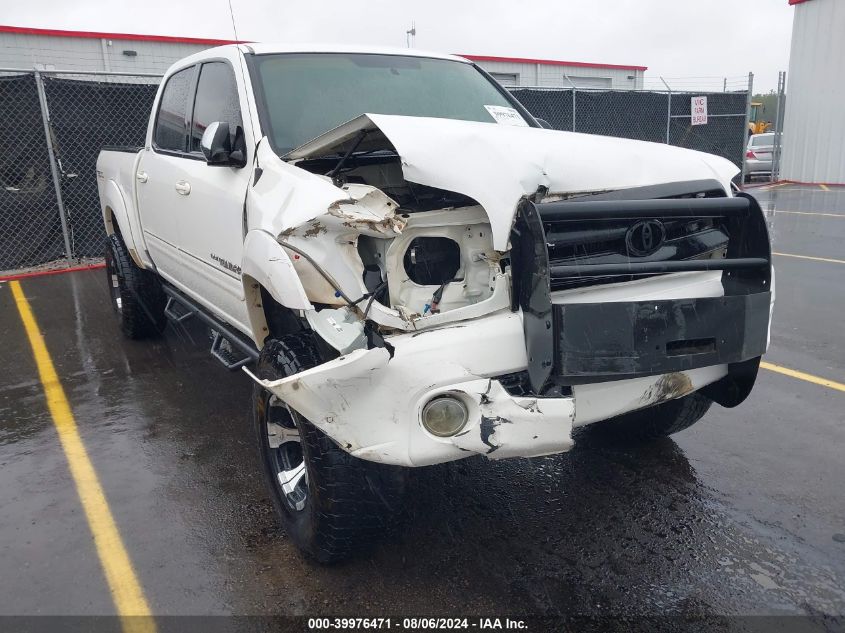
x=615 y=347
x=370 y=403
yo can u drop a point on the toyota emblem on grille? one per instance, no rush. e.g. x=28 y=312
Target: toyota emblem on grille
x=645 y=237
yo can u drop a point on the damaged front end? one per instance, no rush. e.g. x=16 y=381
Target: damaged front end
x=382 y=249
x=582 y=261
x=530 y=313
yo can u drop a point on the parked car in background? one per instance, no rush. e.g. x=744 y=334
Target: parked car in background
x=758 y=155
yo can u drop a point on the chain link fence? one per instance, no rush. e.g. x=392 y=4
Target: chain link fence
x=30 y=226
x=657 y=116
x=53 y=125
x=87 y=114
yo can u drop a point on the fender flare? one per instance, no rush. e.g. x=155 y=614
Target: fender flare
x=114 y=210
x=266 y=264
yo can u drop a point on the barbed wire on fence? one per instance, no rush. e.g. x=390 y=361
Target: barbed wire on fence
x=708 y=84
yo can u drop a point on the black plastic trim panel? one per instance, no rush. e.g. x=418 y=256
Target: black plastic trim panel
x=658 y=337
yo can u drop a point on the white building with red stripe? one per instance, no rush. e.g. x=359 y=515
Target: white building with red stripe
x=51 y=49
x=549 y=73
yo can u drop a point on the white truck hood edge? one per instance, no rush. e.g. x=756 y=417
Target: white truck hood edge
x=497 y=165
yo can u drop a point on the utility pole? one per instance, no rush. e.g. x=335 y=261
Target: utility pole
x=668 y=109
x=748 y=95
x=411 y=35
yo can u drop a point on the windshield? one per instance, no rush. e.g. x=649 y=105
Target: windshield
x=303 y=95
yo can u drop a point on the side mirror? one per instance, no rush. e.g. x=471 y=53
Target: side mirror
x=217 y=146
x=543 y=123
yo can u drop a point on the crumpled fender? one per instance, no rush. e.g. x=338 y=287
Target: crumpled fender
x=267 y=263
x=285 y=197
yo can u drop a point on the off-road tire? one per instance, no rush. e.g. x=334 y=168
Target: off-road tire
x=136 y=294
x=648 y=424
x=350 y=502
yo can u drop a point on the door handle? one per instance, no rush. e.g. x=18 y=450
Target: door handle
x=141 y=176
x=183 y=187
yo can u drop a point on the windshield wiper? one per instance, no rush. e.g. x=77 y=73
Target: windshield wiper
x=333 y=174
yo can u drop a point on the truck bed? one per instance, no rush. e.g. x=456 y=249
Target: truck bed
x=116 y=168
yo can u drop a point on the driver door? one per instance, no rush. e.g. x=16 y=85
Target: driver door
x=211 y=218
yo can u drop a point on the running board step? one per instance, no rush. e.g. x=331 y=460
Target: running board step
x=228 y=345
x=221 y=349
x=174 y=311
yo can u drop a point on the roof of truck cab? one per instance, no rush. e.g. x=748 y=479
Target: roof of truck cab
x=262 y=48
x=269 y=48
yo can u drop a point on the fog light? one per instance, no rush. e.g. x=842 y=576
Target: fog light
x=444 y=416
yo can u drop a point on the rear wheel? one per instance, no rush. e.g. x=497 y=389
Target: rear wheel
x=330 y=503
x=136 y=294
x=651 y=423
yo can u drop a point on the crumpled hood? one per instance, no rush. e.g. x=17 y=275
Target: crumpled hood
x=497 y=165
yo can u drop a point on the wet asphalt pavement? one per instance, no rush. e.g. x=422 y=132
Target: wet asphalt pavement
x=744 y=513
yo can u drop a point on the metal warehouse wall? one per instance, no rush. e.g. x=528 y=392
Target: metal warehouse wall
x=552 y=75
x=814 y=128
x=45 y=52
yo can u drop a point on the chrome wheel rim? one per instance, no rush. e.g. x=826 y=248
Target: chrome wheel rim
x=286 y=458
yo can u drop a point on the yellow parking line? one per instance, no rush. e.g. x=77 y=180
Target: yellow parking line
x=829 y=215
x=126 y=591
x=774 y=185
x=815 y=259
x=816 y=380
x=824 y=187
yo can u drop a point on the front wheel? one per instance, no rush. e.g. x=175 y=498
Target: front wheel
x=651 y=423
x=330 y=503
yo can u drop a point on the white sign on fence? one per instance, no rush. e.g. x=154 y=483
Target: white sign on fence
x=699 y=110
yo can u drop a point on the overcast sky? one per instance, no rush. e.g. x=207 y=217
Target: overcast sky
x=674 y=38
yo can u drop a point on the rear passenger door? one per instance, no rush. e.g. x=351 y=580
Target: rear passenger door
x=211 y=222
x=160 y=171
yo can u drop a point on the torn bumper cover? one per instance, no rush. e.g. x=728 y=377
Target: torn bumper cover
x=371 y=403
x=595 y=330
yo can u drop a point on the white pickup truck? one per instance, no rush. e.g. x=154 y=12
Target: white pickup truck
x=414 y=270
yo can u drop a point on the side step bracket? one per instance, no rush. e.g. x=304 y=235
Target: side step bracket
x=171 y=311
x=226 y=342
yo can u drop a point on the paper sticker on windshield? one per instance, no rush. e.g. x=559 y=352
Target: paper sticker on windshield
x=506 y=116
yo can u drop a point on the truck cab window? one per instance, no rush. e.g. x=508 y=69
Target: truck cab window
x=216 y=100
x=171 y=128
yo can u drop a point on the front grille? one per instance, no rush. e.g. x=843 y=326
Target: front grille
x=574 y=242
x=604 y=242
x=626 y=235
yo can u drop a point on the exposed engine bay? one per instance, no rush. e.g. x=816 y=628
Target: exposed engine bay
x=431 y=253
